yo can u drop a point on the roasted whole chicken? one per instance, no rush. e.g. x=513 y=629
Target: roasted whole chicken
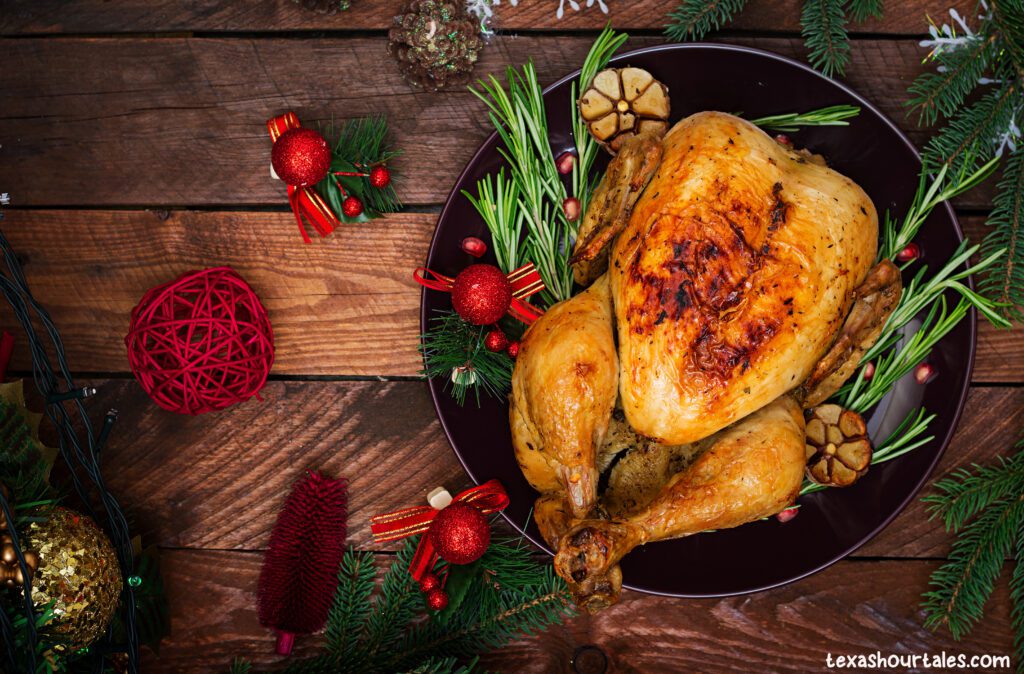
x=732 y=284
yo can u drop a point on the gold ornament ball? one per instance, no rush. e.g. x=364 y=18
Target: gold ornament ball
x=78 y=571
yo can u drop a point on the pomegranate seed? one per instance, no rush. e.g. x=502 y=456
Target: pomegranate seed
x=787 y=514
x=474 y=246
x=910 y=253
x=571 y=206
x=924 y=373
x=513 y=350
x=565 y=161
x=869 y=372
x=783 y=139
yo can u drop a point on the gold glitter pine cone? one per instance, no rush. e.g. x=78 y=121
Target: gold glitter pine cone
x=436 y=43
x=78 y=571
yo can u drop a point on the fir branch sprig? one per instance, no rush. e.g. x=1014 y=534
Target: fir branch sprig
x=833 y=115
x=1006 y=287
x=985 y=507
x=693 y=19
x=862 y=10
x=823 y=27
x=359 y=145
x=454 y=349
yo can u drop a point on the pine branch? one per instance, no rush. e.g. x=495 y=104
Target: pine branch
x=399 y=601
x=360 y=144
x=963 y=585
x=969 y=138
x=964 y=493
x=454 y=349
x=351 y=606
x=693 y=19
x=1017 y=600
x=943 y=93
x=862 y=10
x=1004 y=282
x=823 y=25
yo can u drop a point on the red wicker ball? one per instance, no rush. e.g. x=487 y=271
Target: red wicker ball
x=201 y=343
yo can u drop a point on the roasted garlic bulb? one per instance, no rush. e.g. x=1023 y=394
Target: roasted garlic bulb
x=838 y=450
x=621 y=103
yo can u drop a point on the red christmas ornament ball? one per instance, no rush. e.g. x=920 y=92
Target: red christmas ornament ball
x=460 y=533
x=496 y=341
x=437 y=599
x=301 y=157
x=351 y=207
x=481 y=294
x=429 y=582
x=380 y=177
x=200 y=343
x=513 y=350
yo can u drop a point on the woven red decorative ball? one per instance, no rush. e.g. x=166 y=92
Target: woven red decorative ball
x=201 y=343
x=380 y=177
x=481 y=294
x=301 y=157
x=351 y=207
x=460 y=533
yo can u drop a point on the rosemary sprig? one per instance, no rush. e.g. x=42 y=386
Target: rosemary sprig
x=834 y=115
x=454 y=350
x=516 y=108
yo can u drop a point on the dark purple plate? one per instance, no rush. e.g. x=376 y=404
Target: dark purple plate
x=833 y=523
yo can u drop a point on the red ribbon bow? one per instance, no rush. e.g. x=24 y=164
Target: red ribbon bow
x=490 y=497
x=305 y=201
x=525 y=281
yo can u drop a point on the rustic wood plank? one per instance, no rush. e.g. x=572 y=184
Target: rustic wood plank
x=345 y=305
x=119 y=16
x=852 y=608
x=217 y=481
x=177 y=121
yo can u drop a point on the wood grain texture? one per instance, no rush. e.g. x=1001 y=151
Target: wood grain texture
x=132 y=16
x=344 y=305
x=218 y=480
x=181 y=121
x=854 y=607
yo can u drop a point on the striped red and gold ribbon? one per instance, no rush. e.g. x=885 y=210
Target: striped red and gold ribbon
x=490 y=497
x=305 y=201
x=525 y=281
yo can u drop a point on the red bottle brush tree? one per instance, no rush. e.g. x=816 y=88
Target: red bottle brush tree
x=300 y=570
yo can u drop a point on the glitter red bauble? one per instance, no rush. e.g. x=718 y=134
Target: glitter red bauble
x=351 y=207
x=301 y=157
x=460 y=533
x=429 y=582
x=200 y=343
x=437 y=599
x=481 y=294
x=513 y=350
x=380 y=177
x=496 y=341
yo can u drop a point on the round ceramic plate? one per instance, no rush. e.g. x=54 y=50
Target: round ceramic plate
x=833 y=523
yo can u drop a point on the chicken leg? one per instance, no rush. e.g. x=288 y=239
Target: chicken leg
x=748 y=471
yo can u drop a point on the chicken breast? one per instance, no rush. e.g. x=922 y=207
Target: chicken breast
x=732 y=278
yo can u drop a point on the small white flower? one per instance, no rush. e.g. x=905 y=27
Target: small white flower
x=5 y=198
x=1007 y=140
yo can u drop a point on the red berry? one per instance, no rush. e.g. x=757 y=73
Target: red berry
x=565 y=161
x=787 y=514
x=513 y=350
x=301 y=157
x=481 y=294
x=924 y=373
x=496 y=341
x=571 y=207
x=783 y=139
x=437 y=599
x=910 y=253
x=380 y=177
x=351 y=207
x=474 y=246
x=430 y=582
x=869 y=372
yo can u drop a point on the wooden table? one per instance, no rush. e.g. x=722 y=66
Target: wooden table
x=134 y=148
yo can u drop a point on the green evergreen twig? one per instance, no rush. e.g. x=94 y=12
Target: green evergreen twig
x=452 y=345
x=834 y=115
x=693 y=19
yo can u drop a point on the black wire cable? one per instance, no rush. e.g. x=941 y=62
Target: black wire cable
x=79 y=448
